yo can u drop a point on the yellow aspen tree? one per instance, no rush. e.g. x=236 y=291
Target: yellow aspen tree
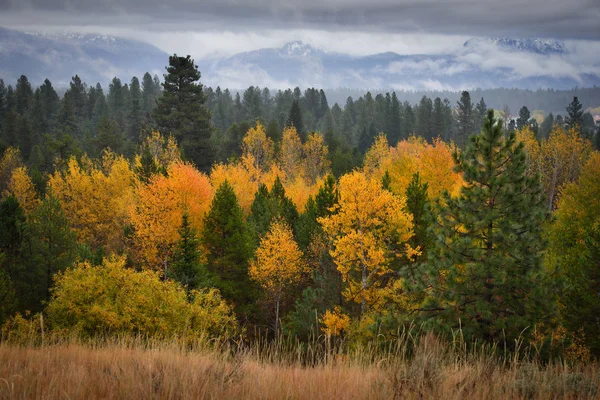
x=22 y=188
x=11 y=160
x=158 y=212
x=433 y=162
x=290 y=153
x=378 y=157
x=369 y=230
x=260 y=147
x=563 y=156
x=533 y=150
x=95 y=198
x=244 y=178
x=316 y=164
x=278 y=264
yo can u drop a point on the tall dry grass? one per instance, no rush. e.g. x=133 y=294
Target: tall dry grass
x=130 y=368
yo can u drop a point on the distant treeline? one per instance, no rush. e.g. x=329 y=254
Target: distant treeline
x=88 y=118
x=547 y=100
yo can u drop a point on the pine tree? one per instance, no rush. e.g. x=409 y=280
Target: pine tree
x=575 y=114
x=480 y=112
x=424 y=119
x=135 y=110
x=186 y=267
x=148 y=94
x=464 y=119
x=269 y=206
x=485 y=266
x=438 y=118
x=317 y=207
x=524 y=116
x=49 y=247
x=418 y=205
x=180 y=111
x=23 y=95
x=295 y=119
x=13 y=276
x=228 y=242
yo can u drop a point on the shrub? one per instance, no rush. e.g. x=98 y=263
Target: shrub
x=111 y=299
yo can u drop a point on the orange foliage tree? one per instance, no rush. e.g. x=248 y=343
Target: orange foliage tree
x=158 y=212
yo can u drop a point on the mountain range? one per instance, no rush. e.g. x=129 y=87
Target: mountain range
x=479 y=63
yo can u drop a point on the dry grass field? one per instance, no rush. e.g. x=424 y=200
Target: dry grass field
x=130 y=370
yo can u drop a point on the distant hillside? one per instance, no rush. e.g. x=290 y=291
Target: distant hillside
x=95 y=58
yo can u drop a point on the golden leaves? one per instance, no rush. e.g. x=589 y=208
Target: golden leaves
x=95 y=198
x=158 y=212
x=278 y=260
x=367 y=229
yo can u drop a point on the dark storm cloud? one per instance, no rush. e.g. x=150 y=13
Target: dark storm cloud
x=574 y=19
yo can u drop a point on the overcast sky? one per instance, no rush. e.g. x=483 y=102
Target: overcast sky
x=213 y=28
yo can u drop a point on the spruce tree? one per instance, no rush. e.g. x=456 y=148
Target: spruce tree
x=186 y=267
x=485 y=269
x=180 y=111
x=574 y=114
x=228 y=242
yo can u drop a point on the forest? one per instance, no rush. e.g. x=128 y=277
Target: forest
x=170 y=210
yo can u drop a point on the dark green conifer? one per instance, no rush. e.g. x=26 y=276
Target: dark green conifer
x=485 y=270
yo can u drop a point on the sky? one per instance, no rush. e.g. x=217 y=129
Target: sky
x=210 y=29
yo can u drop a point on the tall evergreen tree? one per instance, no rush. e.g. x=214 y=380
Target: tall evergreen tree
x=424 y=119
x=186 y=267
x=77 y=96
x=23 y=95
x=524 y=116
x=574 y=113
x=50 y=103
x=50 y=247
x=148 y=94
x=228 y=242
x=180 y=111
x=268 y=206
x=464 y=118
x=480 y=113
x=418 y=205
x=135 y=109
x=486 y=274
x=295 y=119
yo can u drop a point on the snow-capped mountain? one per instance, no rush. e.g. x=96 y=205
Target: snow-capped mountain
x=58 y=57
x=481 y=62
x=537 y=46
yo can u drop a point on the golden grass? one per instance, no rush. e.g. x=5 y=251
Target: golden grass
x=128 y=370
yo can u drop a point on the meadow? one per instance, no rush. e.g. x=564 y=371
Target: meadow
x=408 y=368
